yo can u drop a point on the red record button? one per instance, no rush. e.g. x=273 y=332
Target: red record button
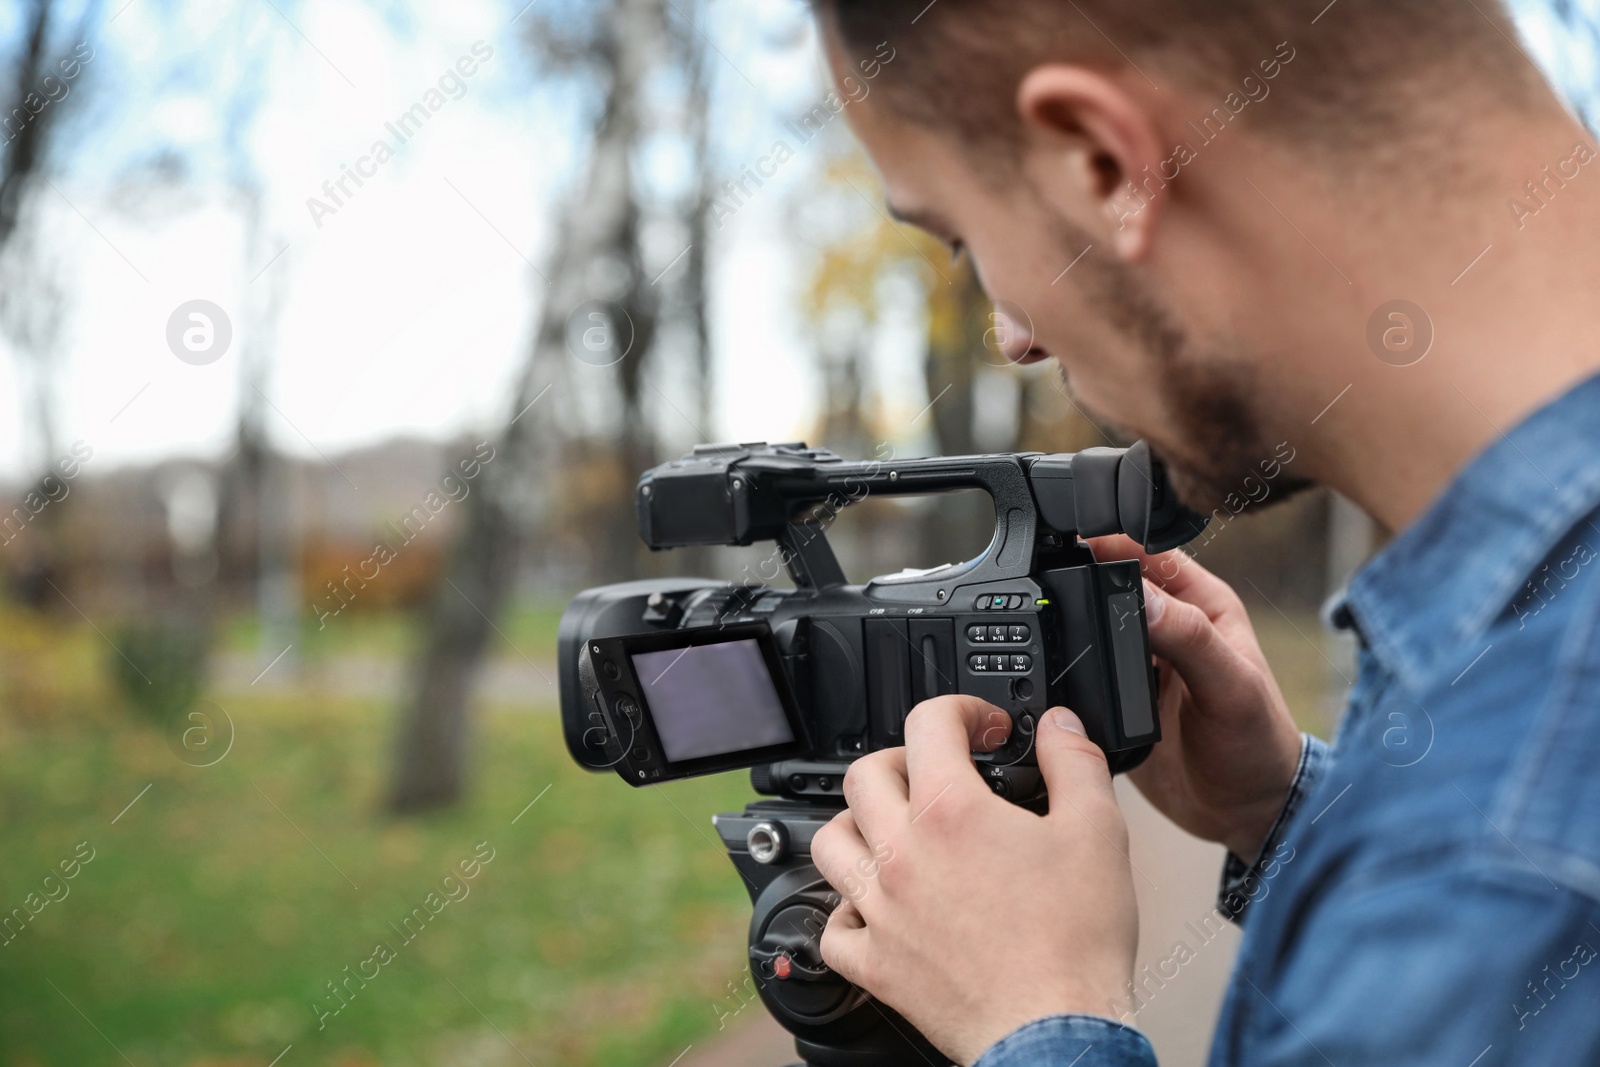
x=781 y=966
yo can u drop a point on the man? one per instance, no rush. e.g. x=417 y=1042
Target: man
x=1362 y=229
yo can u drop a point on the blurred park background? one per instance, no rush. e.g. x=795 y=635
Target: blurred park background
x=332 y=339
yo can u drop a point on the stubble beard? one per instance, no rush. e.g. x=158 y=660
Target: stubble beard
x=1213 y=442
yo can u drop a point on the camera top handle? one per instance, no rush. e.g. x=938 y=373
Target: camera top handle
x=741 y=494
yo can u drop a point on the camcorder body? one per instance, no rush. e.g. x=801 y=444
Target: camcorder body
x=670 y=678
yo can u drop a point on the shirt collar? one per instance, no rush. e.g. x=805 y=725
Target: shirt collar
x=1446 y=577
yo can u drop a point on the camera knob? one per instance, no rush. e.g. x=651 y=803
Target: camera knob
x=767 y=842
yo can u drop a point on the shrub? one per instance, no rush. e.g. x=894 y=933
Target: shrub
x=160 y=666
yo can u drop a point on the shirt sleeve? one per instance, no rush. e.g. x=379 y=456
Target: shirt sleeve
x=1078 y=1040
x=1239 y=879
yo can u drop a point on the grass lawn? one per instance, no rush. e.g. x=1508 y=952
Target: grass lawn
x=222 y=901
x=217 y=908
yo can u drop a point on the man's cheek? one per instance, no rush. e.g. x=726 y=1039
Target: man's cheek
x=1110 y=384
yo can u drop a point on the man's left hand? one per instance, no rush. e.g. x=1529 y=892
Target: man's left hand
x=965 y=913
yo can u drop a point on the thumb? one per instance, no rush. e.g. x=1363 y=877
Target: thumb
x=1074 y=768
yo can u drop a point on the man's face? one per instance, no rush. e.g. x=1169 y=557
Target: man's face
x=1125 y=352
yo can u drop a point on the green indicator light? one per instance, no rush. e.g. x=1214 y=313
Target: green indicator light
x=1041 y=602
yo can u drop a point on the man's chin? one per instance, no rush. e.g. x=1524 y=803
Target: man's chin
x=1233 y=490
x=1194 y=491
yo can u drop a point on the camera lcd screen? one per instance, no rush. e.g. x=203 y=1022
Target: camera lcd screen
x=712 y=699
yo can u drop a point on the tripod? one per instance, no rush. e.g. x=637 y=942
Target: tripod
x=835 y=1023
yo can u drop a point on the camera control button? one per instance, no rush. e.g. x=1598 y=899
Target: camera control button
x=997 y=634
x=1016 y=633
x=982 y=603
x=977 y=634
x=1014 y=601
x=628 y=707
x=997 y=602
x=978 y=662
x=1022 y=663
x=997 y=663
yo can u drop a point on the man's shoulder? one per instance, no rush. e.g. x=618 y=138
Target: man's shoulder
x=1547 y=803
x=1498 y=757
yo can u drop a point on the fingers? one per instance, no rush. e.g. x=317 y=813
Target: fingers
x=878 y=792
x=840 y=852
x=1075 y=771
x=1176 y=572
x=1217 y=673
x=941 y=735
x=845 y=946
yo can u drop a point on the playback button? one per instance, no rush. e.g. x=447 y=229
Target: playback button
x=987 y=663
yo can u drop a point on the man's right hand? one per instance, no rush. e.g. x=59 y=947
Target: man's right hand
x=1229 y=747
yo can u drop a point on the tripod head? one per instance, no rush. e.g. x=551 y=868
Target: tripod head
x=835 y=1023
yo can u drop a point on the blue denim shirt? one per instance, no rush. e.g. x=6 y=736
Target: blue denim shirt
x=1432 y=893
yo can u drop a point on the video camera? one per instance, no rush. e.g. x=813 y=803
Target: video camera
x=670 y=678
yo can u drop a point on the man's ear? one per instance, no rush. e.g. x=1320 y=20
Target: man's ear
x=1100 y=143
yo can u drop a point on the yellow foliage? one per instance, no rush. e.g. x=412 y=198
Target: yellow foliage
x=847 y=272
x=47 y=665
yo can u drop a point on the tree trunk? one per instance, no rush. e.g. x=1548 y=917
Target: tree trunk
x=27 y=145
x=600 y=224
x=696 y=283
x=432 y=755
x=957 y=322
x=32 y=302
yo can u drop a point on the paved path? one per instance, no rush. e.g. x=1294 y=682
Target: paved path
x=753 y=1040
x=1176 y=881
x=501 y=681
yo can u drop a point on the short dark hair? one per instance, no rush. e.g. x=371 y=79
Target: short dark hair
x=1363 y=70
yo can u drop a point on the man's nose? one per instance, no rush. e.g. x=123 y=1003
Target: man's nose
x=1009 y=333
